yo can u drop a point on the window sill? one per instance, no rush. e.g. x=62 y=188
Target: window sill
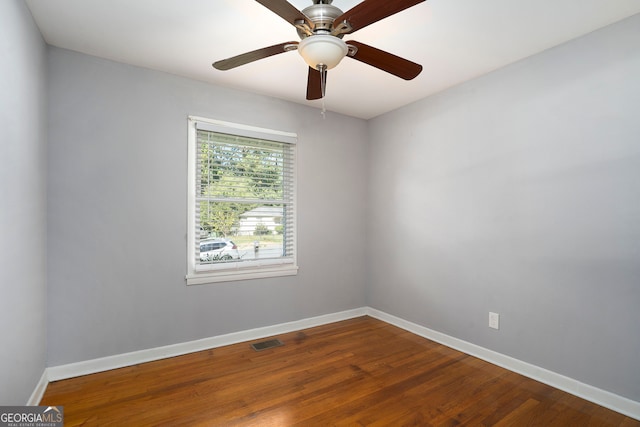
x=248 y=274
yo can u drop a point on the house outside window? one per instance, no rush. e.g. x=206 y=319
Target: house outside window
x=241 y=202
x=263 y=220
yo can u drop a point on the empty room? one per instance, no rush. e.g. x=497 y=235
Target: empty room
x=313 y=212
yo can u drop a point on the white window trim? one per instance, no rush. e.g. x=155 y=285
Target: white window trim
x=233 y=271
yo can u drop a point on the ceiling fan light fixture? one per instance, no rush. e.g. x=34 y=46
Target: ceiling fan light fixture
x=322 y=49
x=321 y=28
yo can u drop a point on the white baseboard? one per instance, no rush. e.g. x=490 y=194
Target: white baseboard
x=37 y=394
x=92 y=366
x=593 y=394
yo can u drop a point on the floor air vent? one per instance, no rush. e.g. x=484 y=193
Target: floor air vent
x=259 y=346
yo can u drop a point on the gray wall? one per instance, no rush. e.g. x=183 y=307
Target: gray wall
x=519 y=193
x=118 y=212
x=23 y=233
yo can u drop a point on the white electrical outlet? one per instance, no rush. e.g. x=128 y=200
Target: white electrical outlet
x=494 y=320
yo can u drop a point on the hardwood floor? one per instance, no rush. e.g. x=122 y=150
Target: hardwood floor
x=356 y=372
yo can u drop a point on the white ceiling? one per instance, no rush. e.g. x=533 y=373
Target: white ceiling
x=454 y=40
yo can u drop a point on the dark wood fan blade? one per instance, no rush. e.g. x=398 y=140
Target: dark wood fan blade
x=370 y=11
x=314 y=84
x=245 y=58
x=386 y=61
x=286 y=11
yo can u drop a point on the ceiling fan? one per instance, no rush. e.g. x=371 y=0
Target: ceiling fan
x=321 y=28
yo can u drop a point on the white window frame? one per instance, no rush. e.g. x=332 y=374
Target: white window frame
x=254 y=269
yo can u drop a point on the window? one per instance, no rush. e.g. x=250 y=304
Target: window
x=241 y=202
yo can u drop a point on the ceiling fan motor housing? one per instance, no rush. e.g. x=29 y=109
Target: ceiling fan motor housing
x=322 y=15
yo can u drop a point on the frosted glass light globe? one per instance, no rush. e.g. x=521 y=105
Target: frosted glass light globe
x=322 y=49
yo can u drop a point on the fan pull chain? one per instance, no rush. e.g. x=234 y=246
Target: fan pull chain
x=323 y=85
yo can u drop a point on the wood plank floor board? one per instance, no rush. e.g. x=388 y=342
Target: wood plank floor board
x=360 y=371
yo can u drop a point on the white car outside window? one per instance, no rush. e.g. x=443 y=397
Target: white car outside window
x=218 y=250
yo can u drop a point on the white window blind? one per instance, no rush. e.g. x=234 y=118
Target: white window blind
x=242 y=202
